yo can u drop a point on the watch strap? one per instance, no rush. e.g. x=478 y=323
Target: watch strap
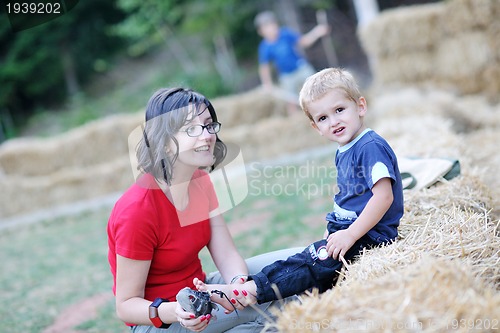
x=153 y=313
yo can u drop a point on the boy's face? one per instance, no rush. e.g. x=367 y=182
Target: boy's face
x=269 y=31
x=337 y=117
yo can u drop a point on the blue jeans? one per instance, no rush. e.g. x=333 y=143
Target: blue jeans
x=311 y=268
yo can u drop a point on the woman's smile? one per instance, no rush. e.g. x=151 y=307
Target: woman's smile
x=202 y=148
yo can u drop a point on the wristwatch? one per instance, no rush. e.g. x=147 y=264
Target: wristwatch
x=153 y=313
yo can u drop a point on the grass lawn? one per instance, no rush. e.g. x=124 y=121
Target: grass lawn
x=51 y=265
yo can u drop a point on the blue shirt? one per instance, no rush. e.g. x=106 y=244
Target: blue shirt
x=282 y=52
x=360 y=164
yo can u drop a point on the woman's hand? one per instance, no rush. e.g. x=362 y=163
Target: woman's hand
x=237 y=295
x=190 y=322
x=244 y=297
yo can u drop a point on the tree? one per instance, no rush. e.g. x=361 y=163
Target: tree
x=151 y=22
x=43 y=65
x=197 y=34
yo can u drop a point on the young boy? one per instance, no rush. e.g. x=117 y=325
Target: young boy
x=281 y=46
x=367 y=208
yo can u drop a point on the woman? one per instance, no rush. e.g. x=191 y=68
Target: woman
x=158 y=227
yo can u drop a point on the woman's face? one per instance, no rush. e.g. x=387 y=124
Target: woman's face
x=196 y=151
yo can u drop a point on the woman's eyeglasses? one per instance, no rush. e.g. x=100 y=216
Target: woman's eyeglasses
x=197 y=130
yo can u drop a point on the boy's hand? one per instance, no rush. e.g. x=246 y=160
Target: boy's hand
x=339 y=243
x=322 y=30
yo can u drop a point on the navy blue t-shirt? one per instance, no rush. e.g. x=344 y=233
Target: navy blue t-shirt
x=360 y=164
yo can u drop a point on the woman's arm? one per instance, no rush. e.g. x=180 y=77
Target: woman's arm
x=131 y=307
x=223 y=251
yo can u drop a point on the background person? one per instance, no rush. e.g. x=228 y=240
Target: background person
x=282 y=47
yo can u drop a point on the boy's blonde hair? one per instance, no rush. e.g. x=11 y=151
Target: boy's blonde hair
x=324 y=81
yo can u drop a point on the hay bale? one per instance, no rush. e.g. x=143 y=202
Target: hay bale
x=460 y=61
x=92 y=160
x=407 y=116
x=444 y=267
x=23 y=195
x=481 y=148
x=402 y=30
x=273 y=137
x=406 y=68
x=492 y=76
x=430 y=295
x=247 y=108
x=467 y=15
x=451 y=45
x=97 y=142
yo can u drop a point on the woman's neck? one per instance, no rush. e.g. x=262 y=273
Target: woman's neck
x=178 y=190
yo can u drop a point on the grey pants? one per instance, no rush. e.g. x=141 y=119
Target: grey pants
x=247 y=320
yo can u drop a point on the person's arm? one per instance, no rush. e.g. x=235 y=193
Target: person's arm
x=313 y=35
x=131 y=307
x=341 y=241
x=265 y=75
x=223 y=251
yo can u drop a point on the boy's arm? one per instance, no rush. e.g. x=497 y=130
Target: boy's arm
x=312 y=36
x=341 y=241
x=265 y=75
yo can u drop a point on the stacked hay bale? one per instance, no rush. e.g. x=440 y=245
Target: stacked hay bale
x=443 y=272
x=256 y=121
x=87 y=162
x=93 y=161
x=248 y=108
x=453 y=45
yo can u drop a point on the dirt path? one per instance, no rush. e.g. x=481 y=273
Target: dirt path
x=78 y=313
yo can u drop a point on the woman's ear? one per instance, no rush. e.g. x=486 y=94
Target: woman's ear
x=170 y=148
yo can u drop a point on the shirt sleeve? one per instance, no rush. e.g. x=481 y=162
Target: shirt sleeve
x=376 y=164
x=379 y=171
x=135 y=233
x=264 y=53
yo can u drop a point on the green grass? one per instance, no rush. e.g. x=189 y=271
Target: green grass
x=278 y=208
x=51 y=265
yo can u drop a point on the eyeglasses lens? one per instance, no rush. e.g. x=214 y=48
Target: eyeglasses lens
x=197 y=130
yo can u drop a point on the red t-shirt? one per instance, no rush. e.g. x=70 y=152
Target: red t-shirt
x=145 y=225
